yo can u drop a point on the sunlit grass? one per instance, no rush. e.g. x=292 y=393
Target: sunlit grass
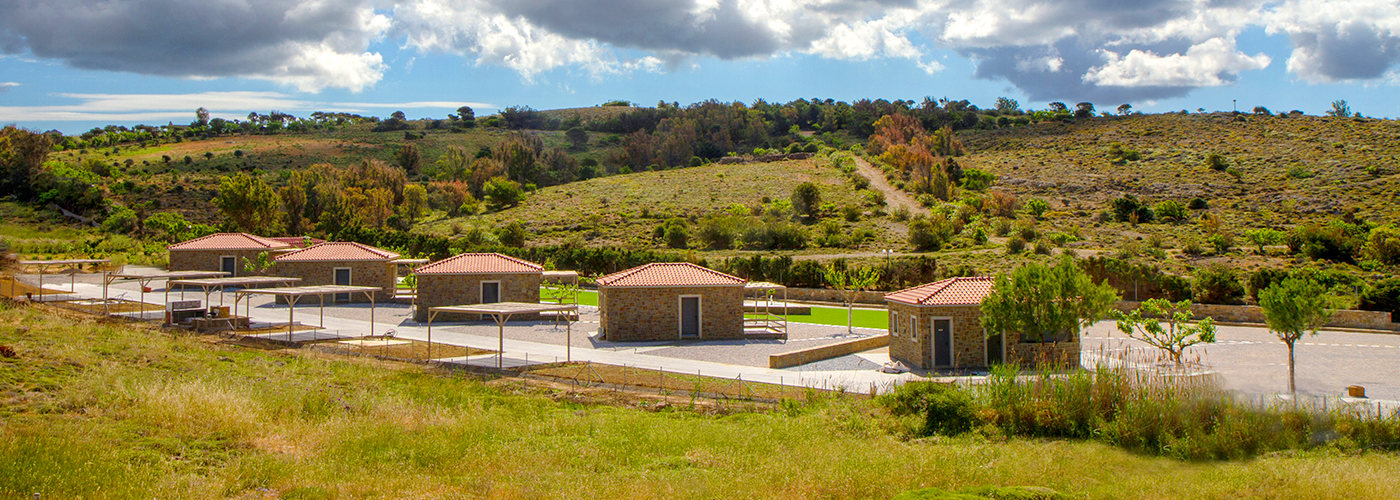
x=106 y=411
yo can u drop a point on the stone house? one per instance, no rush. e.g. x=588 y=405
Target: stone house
x=475 y=278
x=939 y=326
x=222 y=252
x=342 y=263
x=666 y=301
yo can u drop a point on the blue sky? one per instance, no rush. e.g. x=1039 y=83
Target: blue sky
x=72 y=65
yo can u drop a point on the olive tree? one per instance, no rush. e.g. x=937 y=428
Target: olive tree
x=1293 y=307
x=1144 y=324
x=850 y=282
x=806 y=197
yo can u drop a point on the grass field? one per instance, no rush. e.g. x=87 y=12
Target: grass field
x=111 y=411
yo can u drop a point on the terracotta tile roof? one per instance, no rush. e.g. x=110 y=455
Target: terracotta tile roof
x=670 y=274
x=336 y=251
x=298 y=241
x=229 y=241
x=949 y=292
x=479 y=263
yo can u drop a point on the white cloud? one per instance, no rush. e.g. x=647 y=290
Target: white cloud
x=6 y=86
x=1339 y=40
x=1203 y=65
x=114 y=108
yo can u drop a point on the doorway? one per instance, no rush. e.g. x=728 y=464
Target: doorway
x=996 y=349
x=490 y=292
x=342 y=277
x=690 y=317
x=942 y=343
x=229 y=264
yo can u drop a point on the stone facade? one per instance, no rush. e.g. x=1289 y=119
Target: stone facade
x=436 y=290
x=912 y=347
x=653 y=313
x=210 y=260
x=377 y=273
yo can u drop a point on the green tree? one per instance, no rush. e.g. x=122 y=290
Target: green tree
x=578 y=138
x=408 y=158
x=1045 y=303
x=503 y=193
x=415 y=200
x=1340 y=109
x=850 y=282
x=1291 y=308
x=1385 y=296
x=258 y=264
x=1007 y=105
x=512 y=235
x=1383 y=245
x=1125 y=109
x=248 y=203
x=293 y=197
x=806 y=197
x=1217 y=284
x=1145 y=324
x=1263 y=237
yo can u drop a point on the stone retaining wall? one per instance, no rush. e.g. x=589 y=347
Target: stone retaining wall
x=827 y=295
x=814 y=354
x=1366 y=320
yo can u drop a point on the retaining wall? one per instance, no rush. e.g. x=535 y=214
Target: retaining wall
x=814 y=354
x=1366 y=320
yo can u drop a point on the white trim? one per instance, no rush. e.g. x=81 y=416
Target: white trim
x=699 y=315
x=349 y=271
x=933 y=341
x=235 y=264
x=481 y=291
x=894 y=323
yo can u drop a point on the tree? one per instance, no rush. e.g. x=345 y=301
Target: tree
x=1385 y=296
x=1058 y=107
x=512 y=235
x=1007 y=105
x=398 y=115
x=1383 y=245
x=1217 y=284
x=850 y=282
x=1262 y=111
x=258 y=264
x=1340 y=109
x=1045 y=303
x=408 y=158
x=201 y=116
x=578 y=138
x=466 y=114
x=1263 y=237
x=503 y=193
x=1291 y=308
x=415 y=200
x=248 y=203
x=293 y=197
x=1084 y=110
x=1176 y=337
x=806 y=197
x=1125 y=109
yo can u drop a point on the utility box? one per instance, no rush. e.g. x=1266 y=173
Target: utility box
x=1356 y=391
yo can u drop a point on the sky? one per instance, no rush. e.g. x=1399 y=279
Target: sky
x=72 y=65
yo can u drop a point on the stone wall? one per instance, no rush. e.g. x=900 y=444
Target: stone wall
x=630 y=314
x=828 y=295
x=362 y=273
x=436 y=290
x=1366 y=320
x=814 y=354
x=209 y=260
x=969 y=340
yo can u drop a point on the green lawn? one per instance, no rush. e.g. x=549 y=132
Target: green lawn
x=111 y=411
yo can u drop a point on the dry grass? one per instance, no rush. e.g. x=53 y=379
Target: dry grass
x=410 y=350
x=669 y=384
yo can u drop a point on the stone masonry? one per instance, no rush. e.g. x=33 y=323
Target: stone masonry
x=969 y=340
x=362 y=273
x=209 y=260
x=436 y=290
x=653 y=313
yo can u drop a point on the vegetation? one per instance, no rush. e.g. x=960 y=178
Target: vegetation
x=1291 y=308
x=1145 y=324
x=1045 y=303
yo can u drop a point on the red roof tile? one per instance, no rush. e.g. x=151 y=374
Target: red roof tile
x=949 y=292
x=336 y=251
x=229 y=241
x=298 y=241
x=670 y=274
x=479 y=263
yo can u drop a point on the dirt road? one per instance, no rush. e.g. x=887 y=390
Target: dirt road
x=893 y=197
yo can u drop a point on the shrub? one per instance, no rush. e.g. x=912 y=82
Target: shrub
x=1261 y=279
x=806 y=197
x=718 y=232
x=1015 y=245
x=1036 y=207
x=1026 y=230
x=1298 y=172
x=1042 y=248
x=977 y=180
x=675 y=233
x=926 y=235
x=1128 y=209
x=1385 y=296
x=1383 y=245
x=900 y=213
x=1217 y=284
x=1198 y=204
x=503 y=193
x=1170 y=210
x=1222 y=242
x=851 y=213
x=511 y=235
x=875 y=198
x=1337 y=241
x=946 y=409
x=1217 y=162
x=1002 y=228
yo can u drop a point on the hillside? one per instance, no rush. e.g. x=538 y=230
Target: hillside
x=105 y=410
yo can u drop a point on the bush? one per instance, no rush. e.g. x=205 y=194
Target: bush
x=977 y=180
x=503 y=193
x=1383 y=245
x=1217 y=162
x=1170 y=210
x=1337 y=241
x=946 y=409
x=1015 y=245
x=851 y=213
x=806 y=197
x=1198 y=204
x=926 y=235
x=1385 y=296
x=511 y=235
x=1036 y=207
x=1128 y=209
x=1217 y=284
x=673 y=231
x=1261 y=279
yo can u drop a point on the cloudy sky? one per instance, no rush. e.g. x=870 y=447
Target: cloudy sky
x=74 y=64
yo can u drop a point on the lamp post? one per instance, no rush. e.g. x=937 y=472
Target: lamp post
x=887 y=252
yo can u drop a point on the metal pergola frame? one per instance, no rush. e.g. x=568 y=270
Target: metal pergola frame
x=765 y=291
x=501 y=312
x=44 y=265
x=294 y=293
x=208 y=285
x=146 y=279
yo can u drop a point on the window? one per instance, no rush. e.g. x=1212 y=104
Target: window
x=894 y=323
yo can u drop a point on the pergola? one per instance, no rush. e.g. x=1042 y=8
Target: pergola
x=44 y=265
x=762 y=320
x=208 y=285
x=146 y=279
x=410 y=264
x=294 y=293
x=501 y=312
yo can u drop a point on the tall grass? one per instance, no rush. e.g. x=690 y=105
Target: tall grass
x=1165 y=412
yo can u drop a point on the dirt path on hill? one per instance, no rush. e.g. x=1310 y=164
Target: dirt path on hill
x=893 y=197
